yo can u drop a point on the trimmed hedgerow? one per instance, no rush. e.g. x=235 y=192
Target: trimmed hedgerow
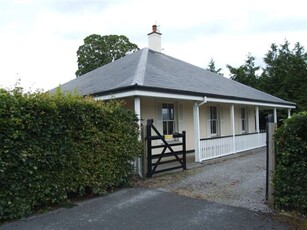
x=55 y=145
x=290 y=178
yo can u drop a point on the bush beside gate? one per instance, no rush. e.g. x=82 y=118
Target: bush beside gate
x=291 y=167
x=55 y=145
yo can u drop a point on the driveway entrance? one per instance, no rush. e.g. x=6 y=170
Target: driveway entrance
x=148 y=209
x=237 y=181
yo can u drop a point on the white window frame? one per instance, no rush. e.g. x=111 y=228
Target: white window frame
x=244 y=120
x=213 y=120
x=171 y=118
x=178 y=116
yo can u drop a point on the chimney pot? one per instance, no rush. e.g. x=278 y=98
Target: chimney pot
x=154 y=28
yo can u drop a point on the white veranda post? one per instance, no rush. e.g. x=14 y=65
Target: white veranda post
x=275 y=115
x=137 y=110
x=196 y=132
x=232 y=114
x=289 y=113
x=257 y=119
x=257 y=126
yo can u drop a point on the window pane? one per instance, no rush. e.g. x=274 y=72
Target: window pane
x=170 y=127
x=171 y=112
x=213 y=120
x=168 y=111
x=168 y=115
x=242 y=113
x=243 y=119
x=164 y=127
x=164 y=113
x=213 y=112
x=213 y=126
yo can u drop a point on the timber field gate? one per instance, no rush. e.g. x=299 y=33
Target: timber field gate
x=169 y=157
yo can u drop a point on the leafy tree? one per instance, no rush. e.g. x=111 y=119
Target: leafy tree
x=285 y=74
x=212 y=67
x=247 y=73
x=99 y=50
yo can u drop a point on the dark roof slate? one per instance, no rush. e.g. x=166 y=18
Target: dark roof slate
x=159 y=72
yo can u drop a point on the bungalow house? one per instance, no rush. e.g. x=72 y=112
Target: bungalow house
x=220 y=116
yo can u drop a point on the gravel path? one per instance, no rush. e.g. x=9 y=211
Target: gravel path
x=239 y=181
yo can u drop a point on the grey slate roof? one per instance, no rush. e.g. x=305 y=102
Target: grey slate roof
x=154 y=71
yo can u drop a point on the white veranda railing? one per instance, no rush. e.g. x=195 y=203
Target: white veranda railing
x=221 y=146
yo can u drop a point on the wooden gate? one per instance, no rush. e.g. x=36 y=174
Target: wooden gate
x=154 y=159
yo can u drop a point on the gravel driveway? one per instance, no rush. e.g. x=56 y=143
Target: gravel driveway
x=238 y=181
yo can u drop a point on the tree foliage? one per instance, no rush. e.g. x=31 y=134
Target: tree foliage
x=284 y=74
x=212 y=67
x=99 y=50
x=246 y=73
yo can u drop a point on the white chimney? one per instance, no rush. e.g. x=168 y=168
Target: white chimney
x=154 y=39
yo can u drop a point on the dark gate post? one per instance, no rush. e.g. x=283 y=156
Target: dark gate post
x=271 y=127
x=184 y=150
x=149 y=149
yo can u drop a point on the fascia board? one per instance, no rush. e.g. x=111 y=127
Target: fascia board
x=143 y=93
x=229 y=101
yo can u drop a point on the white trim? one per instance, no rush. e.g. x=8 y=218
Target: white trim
x=230 y=101
x=149 y=94
x=188 y=97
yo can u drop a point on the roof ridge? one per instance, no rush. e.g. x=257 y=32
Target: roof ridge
x=141 y=68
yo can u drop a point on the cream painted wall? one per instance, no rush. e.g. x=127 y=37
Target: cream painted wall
x=237 y=119
x=203 y=110
x=149 y=106
x=188 y=123
x=225 y=119
x=226 y=125
x=251 y=119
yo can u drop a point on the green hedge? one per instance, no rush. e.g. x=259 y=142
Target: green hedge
x=291 y=167
x=55 y=145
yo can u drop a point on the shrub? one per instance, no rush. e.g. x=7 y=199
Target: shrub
x=291 y=167
x=55 y=145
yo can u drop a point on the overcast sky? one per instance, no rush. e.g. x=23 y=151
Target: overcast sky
x=39 y=38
